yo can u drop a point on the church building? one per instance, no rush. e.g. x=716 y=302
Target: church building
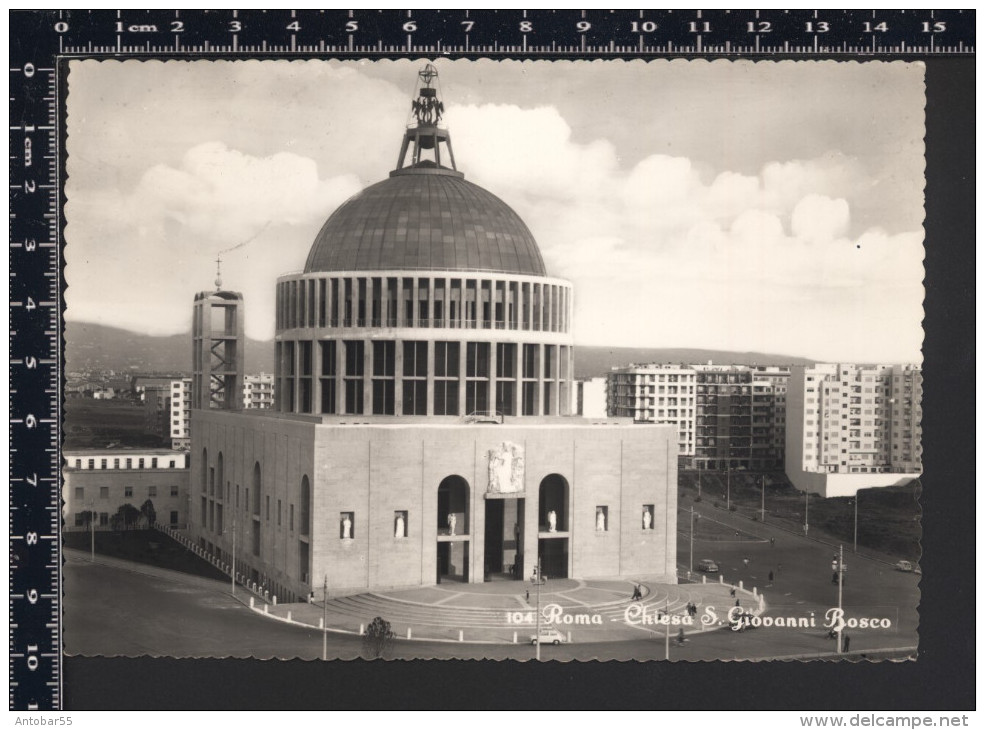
x=422 y=430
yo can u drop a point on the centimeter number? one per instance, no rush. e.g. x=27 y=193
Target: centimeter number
x=189 y=32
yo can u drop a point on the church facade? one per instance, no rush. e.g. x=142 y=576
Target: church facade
x=422 y=430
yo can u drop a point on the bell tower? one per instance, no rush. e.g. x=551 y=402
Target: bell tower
x=218 y=344
x=425 y=137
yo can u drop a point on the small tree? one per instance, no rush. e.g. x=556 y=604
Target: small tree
x=378 y=637
x=147 y=510
x=126 y=517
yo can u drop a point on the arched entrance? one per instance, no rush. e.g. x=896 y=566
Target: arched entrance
x=453 y=529
x=553 y=526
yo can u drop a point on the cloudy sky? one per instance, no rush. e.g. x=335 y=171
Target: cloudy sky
x=774 y=207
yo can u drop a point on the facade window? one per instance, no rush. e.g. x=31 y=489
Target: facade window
x=278 y=513
x=129 y=463
x=328 y=372
x=415 y=369
x=446 y=378
x=92 y=463
x=174 y=517
x=151 y=491
x=477 y=377
x=174 y=490
x=116 y=463
x=104 y=492
x=128 y=492
x=102 y=463
x=153 y=463
x=290 y=513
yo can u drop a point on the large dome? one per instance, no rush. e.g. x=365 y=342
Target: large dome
x=425 y=218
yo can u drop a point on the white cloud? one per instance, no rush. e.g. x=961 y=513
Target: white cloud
x=177 y=219
x=665 y=248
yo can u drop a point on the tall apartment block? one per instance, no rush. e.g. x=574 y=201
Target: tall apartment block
x=663 y=394
x=181 y=405
x=258 y=391
x=739 y=415
x=727 y=416
x=851 y=427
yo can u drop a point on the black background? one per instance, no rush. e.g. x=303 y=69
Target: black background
x=942 y=678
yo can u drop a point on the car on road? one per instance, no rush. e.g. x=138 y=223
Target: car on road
x=907 y=567
x=548 y=635
x=707 y=566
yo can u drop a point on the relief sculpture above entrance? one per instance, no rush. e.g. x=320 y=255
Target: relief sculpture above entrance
x=506 y=469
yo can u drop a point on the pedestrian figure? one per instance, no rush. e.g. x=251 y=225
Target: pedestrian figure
x=846 y=641
x=680 y=636
x=736 y=601
x=745 y=562
x=770 y=578
x=732 y=592
x=772 y=541
x=528 y=596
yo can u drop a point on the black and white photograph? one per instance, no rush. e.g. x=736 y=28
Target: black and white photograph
x=494 y=359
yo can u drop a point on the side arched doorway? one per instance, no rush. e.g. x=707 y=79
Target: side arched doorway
x=554 y=527
x=453 y=529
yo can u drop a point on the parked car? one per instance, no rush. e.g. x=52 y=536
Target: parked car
x=548 y=635
x=707 y=566
x=907 y=567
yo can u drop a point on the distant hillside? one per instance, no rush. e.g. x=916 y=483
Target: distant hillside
x=595 y=361
x=98 y=347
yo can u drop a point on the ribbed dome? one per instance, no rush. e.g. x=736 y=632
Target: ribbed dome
x=425 y=218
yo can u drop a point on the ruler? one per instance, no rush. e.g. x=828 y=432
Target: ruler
x=897 y=33
x=41 y=43
x=35 y=407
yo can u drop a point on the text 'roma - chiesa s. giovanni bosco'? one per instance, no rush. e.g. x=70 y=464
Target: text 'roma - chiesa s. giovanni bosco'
x=424 y=365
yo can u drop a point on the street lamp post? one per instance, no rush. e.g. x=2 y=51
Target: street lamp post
x=855 y=537
x=690 y=564
x=762 y=504
x=232 y=573
x=728 y=486
x=807 y=506
x=538 y=581
x=841 y=579
x=324 y=621
x=92 y=533
x=667 y=629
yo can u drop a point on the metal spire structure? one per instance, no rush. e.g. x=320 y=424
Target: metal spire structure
x=425 y=134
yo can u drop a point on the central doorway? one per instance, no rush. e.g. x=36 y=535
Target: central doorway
x=504 y=539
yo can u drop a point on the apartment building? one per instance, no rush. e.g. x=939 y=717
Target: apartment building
x=657 y=393
x=851 y=427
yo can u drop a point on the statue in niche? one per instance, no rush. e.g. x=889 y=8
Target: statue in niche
x=399 y=530
x=452 y=519
x=599 y=520
x=647 y=519
x=552 y=521
x=346 y=528
x=506 y=468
